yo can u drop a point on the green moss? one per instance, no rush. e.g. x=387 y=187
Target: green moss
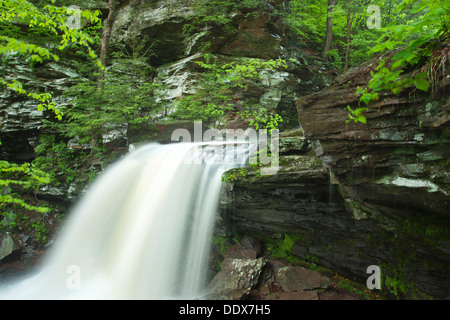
x=396 y=283
x=426 y=227
x=234 y=175
x=355 y=288
x=222 y=243
x=397 y=276
x=312 y=258
x=404 y=150
x=282 y=248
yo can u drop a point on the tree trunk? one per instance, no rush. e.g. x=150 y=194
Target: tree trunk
x=329 y=32
x=106 y=36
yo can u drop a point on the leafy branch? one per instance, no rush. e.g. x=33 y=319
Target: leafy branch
x=415 y=43
x=52 y=20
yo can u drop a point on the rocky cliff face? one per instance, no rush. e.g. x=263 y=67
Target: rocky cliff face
x=374 y=194
x=21 y=121
x=399 y=159
x=152 y=31
x=393 y=171
x=158 y=28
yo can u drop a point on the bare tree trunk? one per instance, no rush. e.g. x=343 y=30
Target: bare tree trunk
x=329 y=32
x=106 y=36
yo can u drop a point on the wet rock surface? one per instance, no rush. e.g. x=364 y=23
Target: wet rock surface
x=336 y=229
x=393 y=172
x=246 y=275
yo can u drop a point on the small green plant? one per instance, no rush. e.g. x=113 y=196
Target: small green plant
x=261 y=119
x=55 y=158
x=22 y=178
x=223 y=244
x=356 y=115
x=40 y=231
x=234 y=175
x=217 y=96
x=11 y=220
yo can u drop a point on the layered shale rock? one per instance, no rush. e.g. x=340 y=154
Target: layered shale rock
x=309 y=200
x=393 y=173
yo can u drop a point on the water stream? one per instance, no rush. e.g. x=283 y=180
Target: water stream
x=141 y=232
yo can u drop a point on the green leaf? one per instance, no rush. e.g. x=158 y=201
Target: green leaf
x=421 y=84
x=361 y=118
x=366 y=98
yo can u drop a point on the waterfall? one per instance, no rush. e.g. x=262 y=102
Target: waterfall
x=141 y=232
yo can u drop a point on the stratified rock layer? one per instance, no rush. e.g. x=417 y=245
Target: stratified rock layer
x=393 y=173
x=342 y=231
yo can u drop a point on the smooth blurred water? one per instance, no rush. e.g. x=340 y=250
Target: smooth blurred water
x=141 y=232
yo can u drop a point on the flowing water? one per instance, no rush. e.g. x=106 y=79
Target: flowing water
x=141 y=232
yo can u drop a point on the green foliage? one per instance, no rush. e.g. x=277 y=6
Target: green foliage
x=20 y=178
x=55 y=158
x=217 y=13
x=234 y=175
x=97 y=112
x=415 y=42
x=416 y=45
x=307 y=22
x=217 y=96
x=33 y=35
x=335 y=57
x=17 y=184
x=124 y=98
x=357 y=115
x=223 y=244
x=50 y=20
x=261 y=119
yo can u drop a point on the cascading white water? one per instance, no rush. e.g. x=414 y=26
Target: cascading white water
x=141 y=232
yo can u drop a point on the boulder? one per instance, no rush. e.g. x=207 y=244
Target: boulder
x=7 y=246
x=297 y=278
x=240 y=272
x=236 y=278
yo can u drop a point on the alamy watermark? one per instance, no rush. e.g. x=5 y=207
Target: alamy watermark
x=374 y=21
x=256 y=143
x=74 y=20
x=374 y=281
x=73 y=281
